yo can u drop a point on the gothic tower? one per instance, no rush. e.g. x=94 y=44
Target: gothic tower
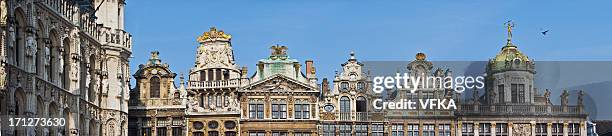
x=116 y=50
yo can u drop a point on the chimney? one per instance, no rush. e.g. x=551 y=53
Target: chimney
x=244 y=72
x=310 y=70
x=325 y=86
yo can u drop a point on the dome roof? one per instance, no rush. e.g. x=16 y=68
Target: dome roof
x=510 y=58
x=509 y=53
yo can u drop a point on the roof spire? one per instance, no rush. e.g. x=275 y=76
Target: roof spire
x=352 y=56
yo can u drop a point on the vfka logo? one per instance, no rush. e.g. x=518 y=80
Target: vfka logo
x=437 y=104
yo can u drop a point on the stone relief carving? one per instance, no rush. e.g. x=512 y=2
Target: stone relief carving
x=521 y=130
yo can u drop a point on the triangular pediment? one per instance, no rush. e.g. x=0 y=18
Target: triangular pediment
x=279 y=83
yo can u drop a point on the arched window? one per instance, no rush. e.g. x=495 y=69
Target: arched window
x=154 y=87
x=361 y=104
x=345 y=104
x=19 y=45
x=66 y=58
x=92 y=90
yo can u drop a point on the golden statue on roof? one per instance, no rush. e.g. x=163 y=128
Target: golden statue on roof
x=278 y=50
x=509 y=25
x=213 y=34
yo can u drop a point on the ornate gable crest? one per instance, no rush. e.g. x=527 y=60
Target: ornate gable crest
x=280 y=83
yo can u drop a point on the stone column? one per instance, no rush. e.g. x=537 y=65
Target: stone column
x=493 y=128
x=533 y=128
x=459 y=128
x=30 y=102
x=476 y=128
x=549 y=129
x=85 y=131
x=565 y=129
x=214 y=73
x=510 y=127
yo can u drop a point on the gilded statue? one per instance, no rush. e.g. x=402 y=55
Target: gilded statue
x=278 y=50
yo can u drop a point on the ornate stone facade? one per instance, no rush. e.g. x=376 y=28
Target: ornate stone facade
x=281 y=99
x=59 y=61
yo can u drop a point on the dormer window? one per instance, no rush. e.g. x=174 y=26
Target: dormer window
x=344 y=86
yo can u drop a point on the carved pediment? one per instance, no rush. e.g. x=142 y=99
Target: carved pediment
x=280 y=83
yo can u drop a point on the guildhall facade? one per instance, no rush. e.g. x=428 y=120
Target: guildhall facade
x=285 y=98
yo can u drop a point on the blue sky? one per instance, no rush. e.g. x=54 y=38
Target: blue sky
x=326 y=31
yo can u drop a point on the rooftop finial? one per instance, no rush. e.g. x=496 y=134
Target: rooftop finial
x=352 y=56
x=509 y=26
x=154 y=58
x=278 y=50
x=213 y=34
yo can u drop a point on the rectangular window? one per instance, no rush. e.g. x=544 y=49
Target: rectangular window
x=197 y=134
x=484 y=129
x=252 y=111
x=145 y=131
x=219 y=101
x=557 y=129
x=257 y=133
x=345 y=130
x=163 y=121
x=256 y=111
x=260 y=111
x=501 y=129
x=502 y=94
x=275 y=111
x=397 y=130
x=301 y=133
x=467 y=129
x=298 y=111
x=230 y=133
x=329 y=130
x=213 y=133
x=378 y=130
x=514 y=91
x=177 y=131
x=146 y=122
x=279 y=133
x=302 y=111
x=283 y=111
x=226 y=101
x=279 y=111
x=541 y=129
x=177 y=121
x=573 y=129
x=161 y=131
x=521 y=92
x=413 y=130
x=444 y=130
x=361 y=129
x=429 y=130
x=211 y=100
